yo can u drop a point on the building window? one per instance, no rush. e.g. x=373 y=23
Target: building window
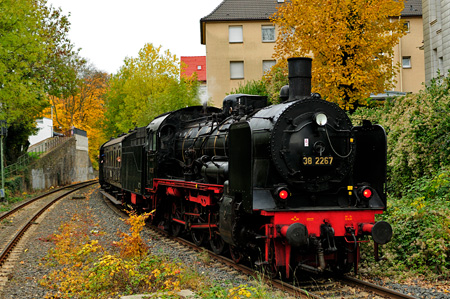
x=199 y=67
x=406 y=24
x=235 y=34
x=267 y=65
x=406 y=62
x=236 y=70
x=268 y=33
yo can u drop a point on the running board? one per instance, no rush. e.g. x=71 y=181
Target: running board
x=111 y=198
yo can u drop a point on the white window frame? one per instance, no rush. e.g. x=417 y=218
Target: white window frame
x=236 y=70
x=265 y=27
x=235 y=34
x=406 y=62
x=407 y=26
x=267 y=65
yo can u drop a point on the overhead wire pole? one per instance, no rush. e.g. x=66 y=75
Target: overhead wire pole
x=3 y=132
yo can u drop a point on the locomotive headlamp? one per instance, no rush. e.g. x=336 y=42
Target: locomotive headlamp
x=366 y=192
x=282 y=193
x=321 y=119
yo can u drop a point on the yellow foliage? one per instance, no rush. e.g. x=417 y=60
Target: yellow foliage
x=132 y=245
x=352 y=43
x=83 y=110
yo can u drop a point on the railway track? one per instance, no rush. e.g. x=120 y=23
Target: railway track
x=15 y=223
x=317 y=287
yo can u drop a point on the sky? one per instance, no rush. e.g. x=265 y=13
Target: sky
x=108 y=31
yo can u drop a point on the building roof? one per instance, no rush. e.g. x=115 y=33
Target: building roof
x=242 y=10
x=412 y=8
x=194 y=64
x=248 y=10
x=239 y=10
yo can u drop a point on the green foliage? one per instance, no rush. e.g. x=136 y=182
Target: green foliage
x=275 y=79
x=34 y=54
x=34 y=155
x=252 y=87
x=146 y=87
x=421 y=220
x=418 y=128
x=14 y=184
x=421 y=224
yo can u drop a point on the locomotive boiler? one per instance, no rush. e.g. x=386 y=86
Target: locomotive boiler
x=288 y=186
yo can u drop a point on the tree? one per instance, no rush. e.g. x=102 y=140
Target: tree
x=352 y=42
x=145 y=87
x=34 y=49
x=253 y=87
x=84 y=107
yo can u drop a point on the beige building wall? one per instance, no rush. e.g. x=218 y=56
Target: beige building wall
x=252 y=51
x=410 y=77
x=220 y=52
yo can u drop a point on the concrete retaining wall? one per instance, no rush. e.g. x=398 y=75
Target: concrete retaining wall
x=65 y=164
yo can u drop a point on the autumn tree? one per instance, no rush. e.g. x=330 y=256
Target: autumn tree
x=352 y=43
x=84 y=107
x=145 y=87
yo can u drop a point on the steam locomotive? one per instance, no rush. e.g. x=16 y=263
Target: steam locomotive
x=292 y=186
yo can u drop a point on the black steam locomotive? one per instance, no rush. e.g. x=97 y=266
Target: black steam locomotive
x=292 y=185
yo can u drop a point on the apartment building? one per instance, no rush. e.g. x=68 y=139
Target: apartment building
x=409 y=51
x=240 y=40
x=436 y=33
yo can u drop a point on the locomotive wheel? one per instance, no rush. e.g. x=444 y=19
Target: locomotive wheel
x=175 y=227
x=198 y=235
x=236 y=254
x=216 y=242
x=270 y=268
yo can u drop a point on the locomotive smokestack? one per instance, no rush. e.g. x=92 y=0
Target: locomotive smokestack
x=299 y=77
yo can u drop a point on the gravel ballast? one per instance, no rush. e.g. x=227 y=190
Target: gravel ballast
x=24 y=280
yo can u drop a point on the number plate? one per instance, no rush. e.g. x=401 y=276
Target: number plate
x=317 y=161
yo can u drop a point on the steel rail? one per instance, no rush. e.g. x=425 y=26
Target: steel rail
x=278 y=284
x=284 y=286
x=15 y=209
x=5 y=253
x=377 y=289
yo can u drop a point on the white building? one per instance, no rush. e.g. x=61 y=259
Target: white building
x=436 y=34
x=45 y=126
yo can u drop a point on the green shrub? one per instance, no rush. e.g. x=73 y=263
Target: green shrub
x=418 y=132
x=418 y=128
x=252 y=87
x=35 y=155
x=421 y=222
